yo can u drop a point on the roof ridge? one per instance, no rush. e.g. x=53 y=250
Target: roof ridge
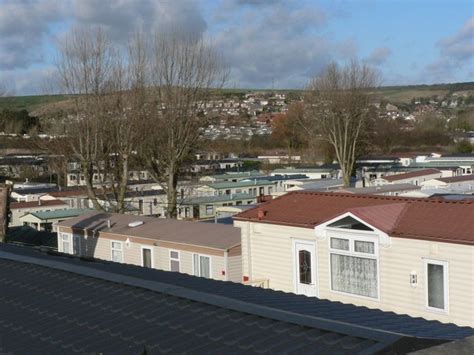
x=378 y=197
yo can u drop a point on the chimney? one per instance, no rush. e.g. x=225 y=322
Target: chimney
x=109 y=225
x=39 y=201
x=261 y=213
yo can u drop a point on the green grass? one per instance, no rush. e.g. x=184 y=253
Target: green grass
x=29 y=102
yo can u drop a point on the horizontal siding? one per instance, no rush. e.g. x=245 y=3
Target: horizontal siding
x=100 y=248
x=234 y=268
x=270 y=251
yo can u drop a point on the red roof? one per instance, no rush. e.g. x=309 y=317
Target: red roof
x=20 y=205
x=67 y=193
x=412 y=174
x=417 y=218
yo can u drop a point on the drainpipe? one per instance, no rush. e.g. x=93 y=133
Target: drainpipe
x=249 y=253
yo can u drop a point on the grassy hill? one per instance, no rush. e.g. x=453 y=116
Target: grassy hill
x=29 y=103
x=394 y=94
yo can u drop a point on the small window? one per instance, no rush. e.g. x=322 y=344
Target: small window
x=174 y=261
x=209 y=209
x=202 y=265
x=66 y=243
x=364 y=247
x=437 y=285
x=338 y=243
x=117 y=252
x=304 y=257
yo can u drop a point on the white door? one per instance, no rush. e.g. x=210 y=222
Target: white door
x=305 y=268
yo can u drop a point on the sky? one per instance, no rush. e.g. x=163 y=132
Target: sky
x=268 y=44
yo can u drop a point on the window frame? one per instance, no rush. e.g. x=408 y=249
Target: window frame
x=352 y=253
x=79 y=243
x=199 y=258
x=174 y=259
x=445 y=266
x=112 y=251
x=69 y=241
x=150 y=248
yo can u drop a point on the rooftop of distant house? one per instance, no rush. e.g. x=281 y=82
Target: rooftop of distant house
x=404 y=217
x=411 y=174
x=32 y=204
x=461 y=178
x=47 y=305
x=170 y=230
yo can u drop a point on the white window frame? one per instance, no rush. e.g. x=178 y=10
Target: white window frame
x=199 y=257
x=175 y=259
x=150 y=248
x=351 y=252
x=69 y=241
x=209 y=213
x=445 y=266
x=112 y=250
x=78 y=237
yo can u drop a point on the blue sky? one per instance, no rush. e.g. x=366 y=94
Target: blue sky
x=268 y=43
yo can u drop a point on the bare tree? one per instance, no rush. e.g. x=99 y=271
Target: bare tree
x=184 y=74
x=338 y=110
x=102 y=129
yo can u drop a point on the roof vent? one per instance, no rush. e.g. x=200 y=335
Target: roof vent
x=135 y=224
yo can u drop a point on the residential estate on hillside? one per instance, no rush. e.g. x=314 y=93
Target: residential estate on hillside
x=409 y=256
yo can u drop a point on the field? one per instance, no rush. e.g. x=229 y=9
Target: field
x=393 y=94
x=29 y=103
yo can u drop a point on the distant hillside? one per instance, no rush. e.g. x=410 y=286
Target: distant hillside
x=29 y=103
x=395 y=94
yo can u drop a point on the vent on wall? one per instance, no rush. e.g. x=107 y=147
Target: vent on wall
x=135 y=224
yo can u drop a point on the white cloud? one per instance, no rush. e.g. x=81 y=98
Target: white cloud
x=379 y=56
x=23 y=26
x=456 y=52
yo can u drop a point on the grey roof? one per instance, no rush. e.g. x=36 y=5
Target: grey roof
x=246 y=183
x=215 y=199
x=192 y=233
x=459 y=347
x=55 y=214
x=321 y=184
x=380 y=189
x=56 y=304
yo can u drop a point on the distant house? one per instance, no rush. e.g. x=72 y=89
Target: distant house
x=409 y=256
x=463 y=163
x=313 y=185
x=416 y=177
x=382 y=190
x=231 y=177
x=311 y=173
x=19 y=209
x=254 y=187
x=279 y=159
x=204 y=207
x=47 y=220
x=200 y=249
x=464 y=181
